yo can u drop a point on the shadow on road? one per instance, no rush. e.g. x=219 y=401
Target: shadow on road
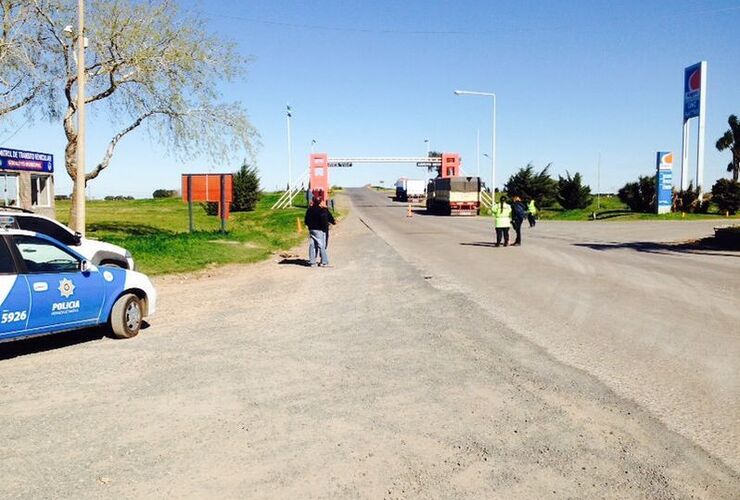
x=706 y=246
x=294 y=262
x=17 y=348
x=488 y=244
x=35 y=345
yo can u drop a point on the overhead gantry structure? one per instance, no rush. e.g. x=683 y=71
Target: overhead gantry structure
x=317 y=175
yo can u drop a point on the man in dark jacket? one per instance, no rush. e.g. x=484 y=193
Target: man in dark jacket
x=518 y=214
x=317 y=221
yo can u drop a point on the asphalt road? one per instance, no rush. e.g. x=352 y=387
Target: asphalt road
x=659 y=323
x=382 y=377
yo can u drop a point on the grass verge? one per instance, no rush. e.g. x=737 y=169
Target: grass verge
x=156 y=232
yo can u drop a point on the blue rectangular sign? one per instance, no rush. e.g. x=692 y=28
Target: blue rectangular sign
x=664 y=165
x=30 y=161
x=692 y=91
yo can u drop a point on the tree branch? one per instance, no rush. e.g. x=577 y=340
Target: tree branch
x=114 y=142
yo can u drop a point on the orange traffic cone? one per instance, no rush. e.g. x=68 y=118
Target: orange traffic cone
x=409 y=213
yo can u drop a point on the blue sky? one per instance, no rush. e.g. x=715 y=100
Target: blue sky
x=574 y=80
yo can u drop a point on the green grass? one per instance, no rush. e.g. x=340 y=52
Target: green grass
x=611 y=208
x=156 y=232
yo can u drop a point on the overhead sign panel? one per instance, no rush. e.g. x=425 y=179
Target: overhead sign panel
x=31 y=161
x=693 y=81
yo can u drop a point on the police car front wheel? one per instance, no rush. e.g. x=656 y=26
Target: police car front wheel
x=126 y=316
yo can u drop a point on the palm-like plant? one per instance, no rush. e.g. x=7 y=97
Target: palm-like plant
x=731 y=140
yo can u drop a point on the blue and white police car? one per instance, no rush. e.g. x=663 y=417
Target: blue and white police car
x=46 y=287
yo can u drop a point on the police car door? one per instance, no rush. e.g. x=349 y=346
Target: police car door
x=62 y=296
x=14 y=298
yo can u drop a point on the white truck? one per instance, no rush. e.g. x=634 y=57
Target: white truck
x=409 y=189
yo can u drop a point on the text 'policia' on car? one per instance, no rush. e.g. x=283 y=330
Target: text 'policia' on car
x=46 y=287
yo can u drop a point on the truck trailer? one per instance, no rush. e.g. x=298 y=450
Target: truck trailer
x=409 y=189
x=454 y=195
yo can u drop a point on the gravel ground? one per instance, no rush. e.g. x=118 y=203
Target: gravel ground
x=362 y=380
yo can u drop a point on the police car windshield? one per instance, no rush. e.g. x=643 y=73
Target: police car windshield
x=42 y=256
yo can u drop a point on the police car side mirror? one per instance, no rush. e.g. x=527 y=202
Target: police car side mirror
x=85 y=266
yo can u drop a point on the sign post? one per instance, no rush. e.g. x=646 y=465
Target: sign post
x=694 y=106
x=196 y=187
x=664 y=188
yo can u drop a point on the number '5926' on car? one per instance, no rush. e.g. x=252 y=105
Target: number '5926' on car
x=46 y=287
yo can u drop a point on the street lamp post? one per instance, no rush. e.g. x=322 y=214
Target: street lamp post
x=493 y=137
x=428 y=143
x=289 y=114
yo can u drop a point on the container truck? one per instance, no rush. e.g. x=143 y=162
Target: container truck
x=454 y=195
x=409 y=189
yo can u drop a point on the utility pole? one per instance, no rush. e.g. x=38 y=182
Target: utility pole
x=598 y=183
x=290 y=158
x=477 y=150
x=80 y=174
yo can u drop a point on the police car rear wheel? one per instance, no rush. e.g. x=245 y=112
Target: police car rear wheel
x=125 y=318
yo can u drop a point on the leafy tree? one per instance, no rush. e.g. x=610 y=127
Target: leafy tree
x=147 y=64
x=246 y=189
x=164 y=193
x=640 y=196
x=731 y=140
x=572 y=193
x=688 y=200
x=726 y=194
x=531 y=185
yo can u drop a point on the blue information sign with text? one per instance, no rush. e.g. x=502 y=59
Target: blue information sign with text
x=664 y=164
x=31 y=161
x=692 y=91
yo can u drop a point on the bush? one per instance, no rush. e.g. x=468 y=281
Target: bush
x=165 y=193
x=529 y=185
x=639 y=196
x=118 y=197
x=688 y=201
x=726 y=194
x=246 y=189
x=572 y=193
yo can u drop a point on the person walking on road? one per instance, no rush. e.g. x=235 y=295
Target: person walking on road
x=317 y=221
x=502 y=216
x=532 y=213
x=518 y=214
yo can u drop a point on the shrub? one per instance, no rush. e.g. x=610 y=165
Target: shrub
x=531 y=185
x=688 y=201
x=165 y=193
x=639 y=196
x=572 y=193
x=118 y=197
x=726 y=194
x=246 y=189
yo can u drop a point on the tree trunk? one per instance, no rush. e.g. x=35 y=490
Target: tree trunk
x=72 y=212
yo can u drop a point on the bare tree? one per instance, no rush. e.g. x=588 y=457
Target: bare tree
x=22 y=49
x=147 y=66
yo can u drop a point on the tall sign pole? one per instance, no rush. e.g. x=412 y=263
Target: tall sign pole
x=694 y=106
x=80 y=173
x=289 y=114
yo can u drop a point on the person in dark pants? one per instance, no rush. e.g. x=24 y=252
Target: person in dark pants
x=518 y=214
x=317 y=221
x=502 y=220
